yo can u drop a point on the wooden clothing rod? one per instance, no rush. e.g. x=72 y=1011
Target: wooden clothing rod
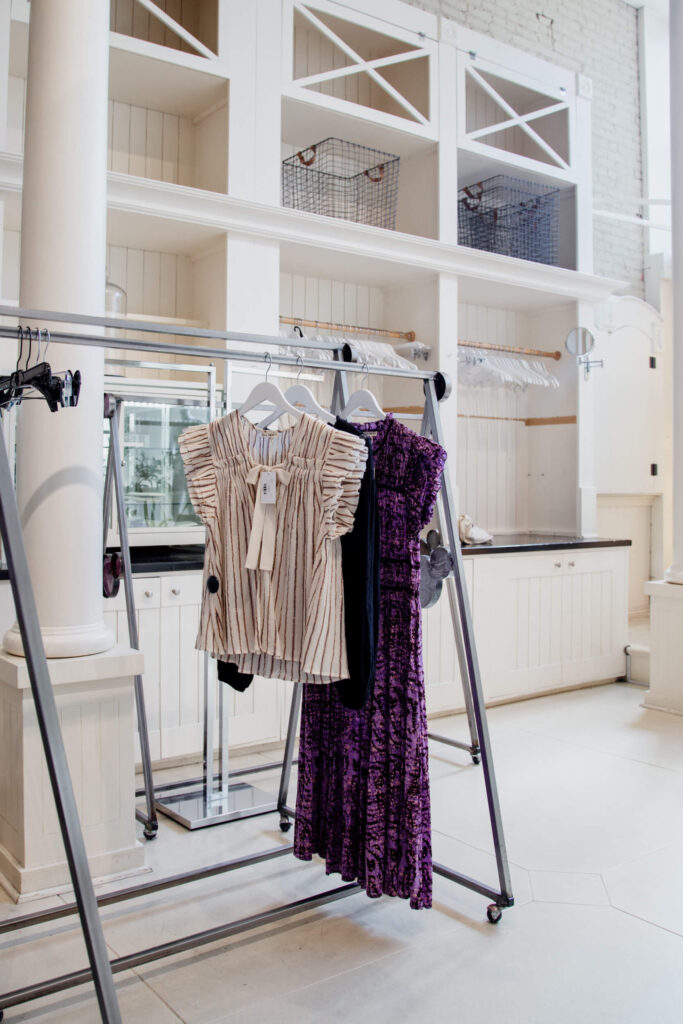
x=490 y=346
x=322 y=325
x=513 y=349
x=528 y=421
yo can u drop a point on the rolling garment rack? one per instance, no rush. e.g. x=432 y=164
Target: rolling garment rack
x=217 y=800
x=436 y=388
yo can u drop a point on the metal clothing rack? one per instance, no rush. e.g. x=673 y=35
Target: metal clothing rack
x=436 y=388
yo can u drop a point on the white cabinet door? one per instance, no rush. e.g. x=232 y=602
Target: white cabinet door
x=168 y=617
x=547 y=620
x=443 y=685
x=594 y=614
x=147 y=592
x=181 y=666
x=518 y=613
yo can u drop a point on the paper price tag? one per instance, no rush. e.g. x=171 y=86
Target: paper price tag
x=267 y=485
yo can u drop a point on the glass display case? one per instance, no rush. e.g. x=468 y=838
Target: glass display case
x=158 y=506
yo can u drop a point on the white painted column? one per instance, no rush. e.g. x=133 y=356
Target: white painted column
x=63 y=251
x=666 y=596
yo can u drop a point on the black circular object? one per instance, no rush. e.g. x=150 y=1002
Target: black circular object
x=442 y=385
x=112 y=568
x=494 y=913
x=212 y=584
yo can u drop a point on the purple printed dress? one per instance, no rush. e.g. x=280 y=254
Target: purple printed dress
x=363 y=789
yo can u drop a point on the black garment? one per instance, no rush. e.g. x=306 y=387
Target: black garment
x=360 y=569
x=227 y=673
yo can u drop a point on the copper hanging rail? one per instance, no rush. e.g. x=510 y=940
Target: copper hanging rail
x=491 y=346
x=297 y=321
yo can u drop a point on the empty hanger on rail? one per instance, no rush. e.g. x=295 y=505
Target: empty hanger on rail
x=363 y=403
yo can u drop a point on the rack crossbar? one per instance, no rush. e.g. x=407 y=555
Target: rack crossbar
x=146 y=888
x=500 y=899
x=234 y=355
x=181 y=945
x=167 y=787
x=120 y=323
x=471 y=748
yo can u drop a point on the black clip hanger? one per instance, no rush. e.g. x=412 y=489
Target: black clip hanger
x=60 y=390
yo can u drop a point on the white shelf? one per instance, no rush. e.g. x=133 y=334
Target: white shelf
x=478 y=161
x=150 y=75
x=183 y=219
x=148 y=214
x=171 y=321
x=305 y=122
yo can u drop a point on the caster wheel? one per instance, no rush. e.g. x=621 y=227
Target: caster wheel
x=475 y=759
x=285 y=825
x=494 y=913
x=149 y=834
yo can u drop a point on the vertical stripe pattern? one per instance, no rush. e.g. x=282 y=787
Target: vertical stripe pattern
x=286 y=623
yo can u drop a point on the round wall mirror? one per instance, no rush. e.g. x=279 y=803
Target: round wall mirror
x=579 y=341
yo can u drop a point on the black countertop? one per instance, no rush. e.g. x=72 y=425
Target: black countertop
x=148 y=561
x=519 y=543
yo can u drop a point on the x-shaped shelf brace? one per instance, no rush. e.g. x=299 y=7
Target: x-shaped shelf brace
x=179 y=29
x=516 y=120
x=360 y=65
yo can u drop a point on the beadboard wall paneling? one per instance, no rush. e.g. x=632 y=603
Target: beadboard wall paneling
x=158 y=284
x=152 y=144
x=314 y=298
x=492 y=456
x=199 y=17
x=314 y=53
x=631 y=516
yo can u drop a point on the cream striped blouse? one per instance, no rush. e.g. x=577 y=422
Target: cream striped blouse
x=285 y=618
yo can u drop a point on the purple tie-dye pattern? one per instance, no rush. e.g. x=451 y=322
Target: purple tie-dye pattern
x=363 y=789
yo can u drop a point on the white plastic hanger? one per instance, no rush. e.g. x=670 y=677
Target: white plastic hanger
x=364 y=403
x=266 y=391
x=303 y=398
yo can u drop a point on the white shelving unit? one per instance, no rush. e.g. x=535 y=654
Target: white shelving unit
x=205 y=101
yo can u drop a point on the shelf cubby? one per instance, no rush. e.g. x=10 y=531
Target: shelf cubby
x=515 y=465
x=169 y=287
x=197 y=17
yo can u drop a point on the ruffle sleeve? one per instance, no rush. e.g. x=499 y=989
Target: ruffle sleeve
x=428 y=465
x=195 y=451
x=342 y=474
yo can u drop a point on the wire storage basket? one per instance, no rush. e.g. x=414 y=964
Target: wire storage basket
x=342 y=179
x=512 y=217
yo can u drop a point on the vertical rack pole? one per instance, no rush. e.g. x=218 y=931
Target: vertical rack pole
x=288 y=757
x=112 y=410
x=223 y=738
x=209 y=719
x=473 y=677
x=473 y=747
x=53 y=745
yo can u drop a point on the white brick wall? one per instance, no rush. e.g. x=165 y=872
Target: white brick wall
x=598 y=38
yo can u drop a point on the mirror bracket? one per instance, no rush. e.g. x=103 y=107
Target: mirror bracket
x=588 y=364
